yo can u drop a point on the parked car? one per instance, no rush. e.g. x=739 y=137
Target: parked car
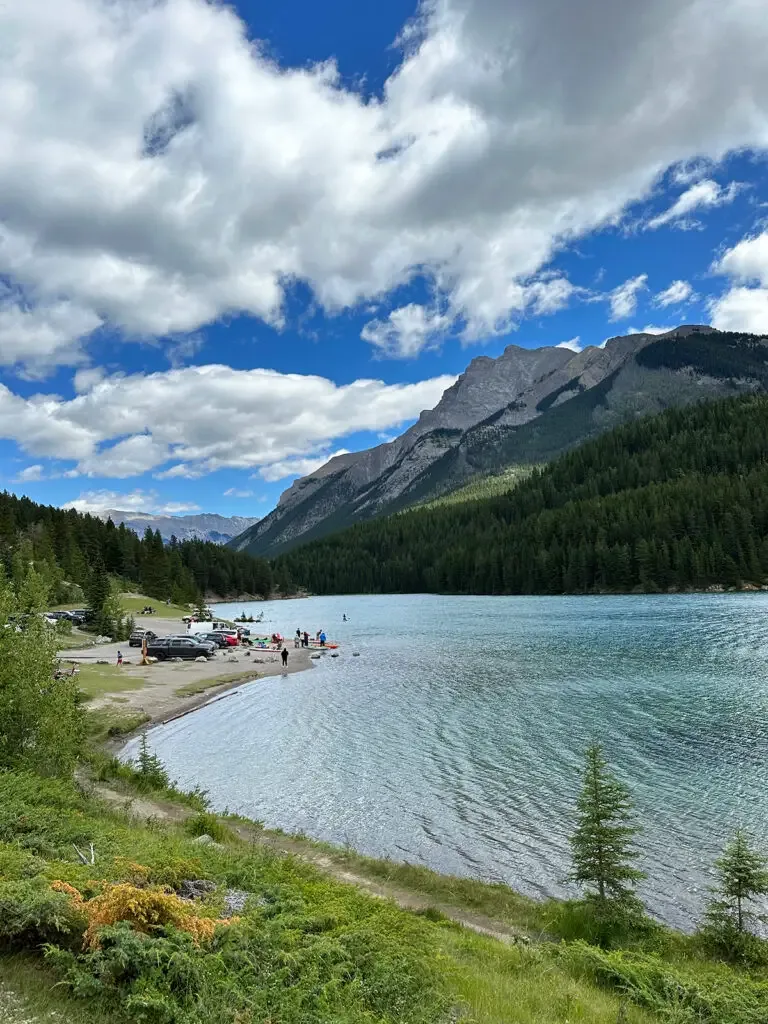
x=136 y=638
x=215 y=638
x=165 y=647
x=229 y=639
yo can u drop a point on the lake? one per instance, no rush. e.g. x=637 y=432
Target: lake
x=455 y=739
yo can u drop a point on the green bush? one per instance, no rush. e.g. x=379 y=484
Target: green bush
x=668 y=990
x=16 y=863
x=31 y=914
x=287 y=966
x=609 y=925
x=724 y=941
x=207 y=824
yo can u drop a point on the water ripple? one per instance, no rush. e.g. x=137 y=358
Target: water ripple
x=455 y=739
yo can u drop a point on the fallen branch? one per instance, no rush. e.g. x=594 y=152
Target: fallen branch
x=83 y=857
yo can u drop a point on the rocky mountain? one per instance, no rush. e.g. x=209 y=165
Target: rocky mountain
x=526 y=406
x=207 y=526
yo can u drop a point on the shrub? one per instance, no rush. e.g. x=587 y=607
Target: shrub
x=16 y=863
x=32 y=914
x=147 y=909
x=665 y=989
x=207 y=824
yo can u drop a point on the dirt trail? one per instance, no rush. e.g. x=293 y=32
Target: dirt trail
x=143 y=808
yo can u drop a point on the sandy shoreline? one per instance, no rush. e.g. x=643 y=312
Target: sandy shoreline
x=154 y=691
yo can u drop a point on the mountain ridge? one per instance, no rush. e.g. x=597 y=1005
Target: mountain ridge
x=208 y=526
x=526 y=406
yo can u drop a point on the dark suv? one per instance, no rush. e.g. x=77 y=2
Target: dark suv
x=165 y=647
x=137 y=637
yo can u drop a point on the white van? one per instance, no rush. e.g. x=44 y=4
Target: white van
x=209 y=627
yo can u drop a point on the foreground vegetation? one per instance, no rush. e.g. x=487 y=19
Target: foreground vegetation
x=674 y=501
x=120 y=945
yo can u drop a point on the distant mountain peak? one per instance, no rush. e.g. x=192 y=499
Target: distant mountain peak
x=208 y=526
x=524 y=406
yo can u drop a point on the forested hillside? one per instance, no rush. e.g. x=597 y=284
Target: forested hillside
x=72 y=548
x=678 y=500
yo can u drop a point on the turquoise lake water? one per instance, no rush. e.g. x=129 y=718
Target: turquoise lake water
x=455 y=738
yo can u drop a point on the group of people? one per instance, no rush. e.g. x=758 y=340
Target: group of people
x=302 y=638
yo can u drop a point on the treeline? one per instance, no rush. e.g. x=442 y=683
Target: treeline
x=674 y=501
x=73 y=549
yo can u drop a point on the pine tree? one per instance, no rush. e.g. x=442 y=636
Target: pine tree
x=601 y=847
x=150 y=768
x=742 y=875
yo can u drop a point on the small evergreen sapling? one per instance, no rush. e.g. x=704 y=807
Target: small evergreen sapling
x=742 y=876
x=150 y=768
x=602 y=846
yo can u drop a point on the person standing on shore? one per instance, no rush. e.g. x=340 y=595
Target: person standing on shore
x=119 y=658
x=284 y=656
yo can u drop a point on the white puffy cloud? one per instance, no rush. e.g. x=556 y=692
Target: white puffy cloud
x=677 y=293
x=623 y=299
x=742 y=309
x=702 y=195
x=205 y=418
x=168 y=172
x=573 y=344
x=744 y=306
x=31 y=473
x=97 y=502
x=297 y=467
x=407 y=331
x=650 y=329
x=43 y=336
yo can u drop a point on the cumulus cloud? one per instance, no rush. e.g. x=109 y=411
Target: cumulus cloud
x=573 y=344
x=297 y=467
x=623 y=299
x=96 y=503
x=702 y=195
x=744 y=306
x=31 y=473
x=650 y=329
x=677 y=293
x=44 y=336
x=407 y=331
x=168 y=172
x=205 y=418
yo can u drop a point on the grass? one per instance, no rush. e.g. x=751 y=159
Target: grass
x=518 y=984
x=349 y=958
x=191 y=689
x=29 y=994
x=133 y=604
x=95 y=680
x=75 y=641
x=483 y=487
x=306 y=948
x=106 y=723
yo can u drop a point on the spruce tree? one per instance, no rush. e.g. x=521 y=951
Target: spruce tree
x=150 y=768
x=742 y=875
x=601 y=847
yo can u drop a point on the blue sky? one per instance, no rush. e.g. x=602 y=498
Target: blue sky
x=236 y=241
